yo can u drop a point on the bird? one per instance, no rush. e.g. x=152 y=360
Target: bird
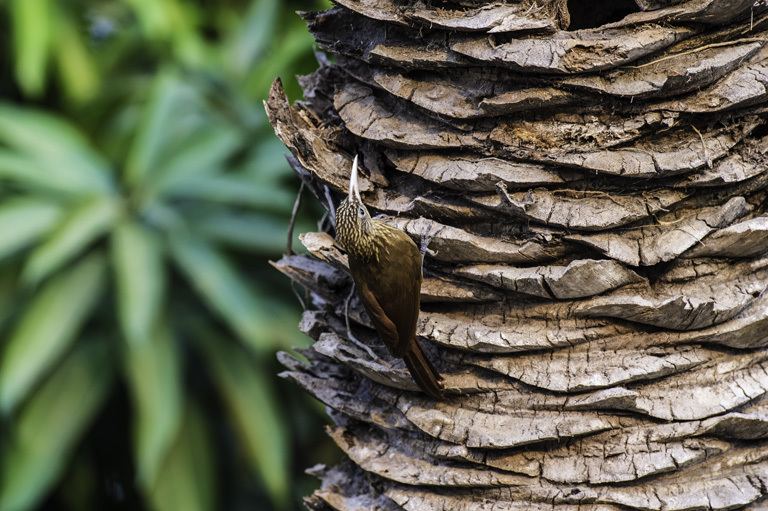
x=386 y=267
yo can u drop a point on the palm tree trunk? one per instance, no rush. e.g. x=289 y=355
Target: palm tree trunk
x=596 y=293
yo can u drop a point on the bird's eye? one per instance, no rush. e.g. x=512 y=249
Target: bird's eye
x=361 y=213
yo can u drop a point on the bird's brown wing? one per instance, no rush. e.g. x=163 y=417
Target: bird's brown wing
x=384 y=326
x=403 y=292
x=389 y=287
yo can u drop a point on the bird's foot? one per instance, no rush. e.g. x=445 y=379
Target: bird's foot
x=350 y=335
x=426 y=236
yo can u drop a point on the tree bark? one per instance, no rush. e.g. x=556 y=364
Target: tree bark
x=595 y=295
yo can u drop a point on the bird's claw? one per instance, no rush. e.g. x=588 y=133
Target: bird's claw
x=350 y=335
x=426 y=236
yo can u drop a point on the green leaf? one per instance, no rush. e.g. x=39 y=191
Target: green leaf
x=9 y=296
x=23 y=221
x=234 y=190
x=295 y=43
x=32 y=174
x=266 y=162
x=137 y=260
x=48 y=328
x=23 y=169
x=154 y=17
x=76 y=67
x=80 y=228
x=154 y=377
x=252 y=35
x=225 y=291
x=151 y=139
x=187 y=478
x=251 y=402
x=50 y=425
x=205 y=152
x=262 y=234
x=60 y=151
x=31 y=38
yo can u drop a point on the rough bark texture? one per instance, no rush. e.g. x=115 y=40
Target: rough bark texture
x=595 y=294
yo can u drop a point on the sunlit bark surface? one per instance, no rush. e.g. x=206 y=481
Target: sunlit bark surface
x=595 y=295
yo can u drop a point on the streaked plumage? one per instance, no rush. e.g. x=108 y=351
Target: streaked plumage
x=385 y=264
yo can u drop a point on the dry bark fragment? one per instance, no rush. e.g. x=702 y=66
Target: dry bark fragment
x=706 y=391
x=494 y=17
x=493 y=499
x=476 y=173
x=586 y=210
x=718 y=386
x=609 y=365
x=448 y=244
x=365 y=354
x=580 y=278
x=382 y=10
x=344 y=392
x=459 y=96
x=348 y=33
x=748 y=330
x=491 y=17
x=675 y=233
x=650 y=5
x=685 y=304
x=613 y=456
x=495 y=431
x=747 y=85
x=564 y=133
x=747 y=162
x=312 y=273
x=745 y=426
x=368 y=117
x=743 y=239
x=711 y=12
x=735 y=487
x=451 y=244
x=382 y=368
x=668 y=74
x=428 y=499
x=402 y=460
x=573 y=52
x=414 y=55
x=504 y=103
x=308 y=142
x=346 y=488
x=508 y=331
x=676 y=152
x=438 y=289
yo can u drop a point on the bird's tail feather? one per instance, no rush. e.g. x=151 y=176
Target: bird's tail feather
x=423 y=372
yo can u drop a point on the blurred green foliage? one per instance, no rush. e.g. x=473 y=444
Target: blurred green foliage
x=142 y=192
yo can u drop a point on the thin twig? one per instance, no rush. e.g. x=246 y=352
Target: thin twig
x=298 y=296
x=331 y=207
x=706 y=152
x=754 y=22
x=705 y=47
x=294 y=214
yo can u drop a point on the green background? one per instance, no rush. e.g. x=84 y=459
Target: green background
x=142 y=194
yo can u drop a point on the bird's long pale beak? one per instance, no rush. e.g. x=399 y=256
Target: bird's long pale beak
x=354 y=189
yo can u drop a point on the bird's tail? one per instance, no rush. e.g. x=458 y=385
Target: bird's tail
x=423 y=372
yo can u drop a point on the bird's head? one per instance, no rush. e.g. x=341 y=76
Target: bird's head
x=354 y=227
